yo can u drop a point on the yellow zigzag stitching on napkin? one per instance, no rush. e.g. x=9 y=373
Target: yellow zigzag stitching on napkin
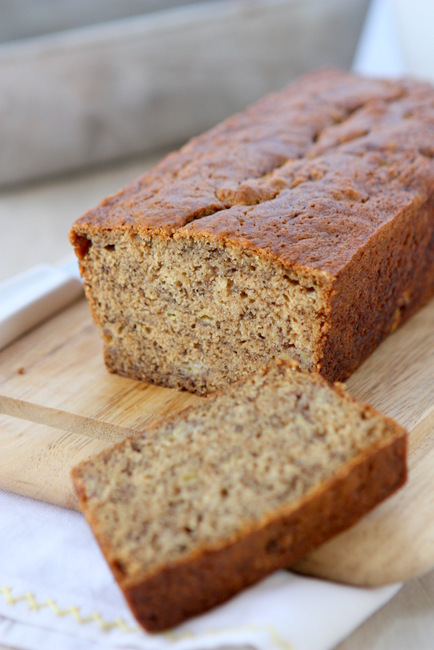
x=118 y=622
x=70 y=611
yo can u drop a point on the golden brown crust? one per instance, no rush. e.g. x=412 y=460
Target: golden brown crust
x=326 y=147
x=382 y=287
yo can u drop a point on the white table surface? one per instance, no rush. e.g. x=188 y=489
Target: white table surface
x=34 y=225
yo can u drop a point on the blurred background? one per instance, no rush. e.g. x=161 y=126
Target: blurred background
x=92 y=92
x=90 y=81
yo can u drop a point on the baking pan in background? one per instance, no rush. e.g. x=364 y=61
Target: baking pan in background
x=92 y=81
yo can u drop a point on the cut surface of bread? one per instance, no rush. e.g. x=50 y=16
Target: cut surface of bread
x=302 y=228
x=219 y=496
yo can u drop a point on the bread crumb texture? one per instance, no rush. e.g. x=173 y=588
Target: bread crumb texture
x=215 y=498
x=301 y=228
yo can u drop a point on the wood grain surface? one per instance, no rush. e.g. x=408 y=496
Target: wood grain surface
x=59 y=405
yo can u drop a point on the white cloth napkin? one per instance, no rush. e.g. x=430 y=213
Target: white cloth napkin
x=56 y=591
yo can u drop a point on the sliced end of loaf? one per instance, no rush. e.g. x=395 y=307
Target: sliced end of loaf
x=199 y=314
x=219 y=496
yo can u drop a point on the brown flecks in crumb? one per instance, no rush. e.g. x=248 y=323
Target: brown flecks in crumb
x=220 y=489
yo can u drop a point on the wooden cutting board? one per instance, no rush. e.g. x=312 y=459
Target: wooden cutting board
x=59 y=405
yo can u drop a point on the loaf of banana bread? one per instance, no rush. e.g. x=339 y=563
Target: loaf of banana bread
x=302 y=228
x=219 y=496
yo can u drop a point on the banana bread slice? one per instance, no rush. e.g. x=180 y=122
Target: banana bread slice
x=302 y=228
x=217 y=497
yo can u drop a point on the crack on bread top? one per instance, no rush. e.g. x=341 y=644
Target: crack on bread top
x=349 y=134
